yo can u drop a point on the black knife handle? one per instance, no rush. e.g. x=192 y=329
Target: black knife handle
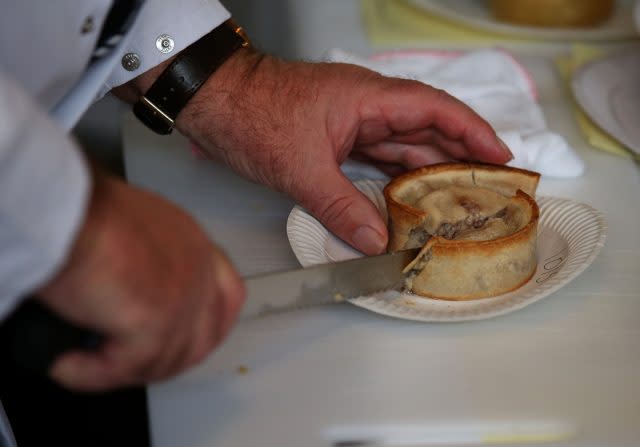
x=32 y=337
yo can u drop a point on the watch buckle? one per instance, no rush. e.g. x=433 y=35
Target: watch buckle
x=158 y=112
x=240 y=32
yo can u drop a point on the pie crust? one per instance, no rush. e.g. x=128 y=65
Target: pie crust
x=477 y=225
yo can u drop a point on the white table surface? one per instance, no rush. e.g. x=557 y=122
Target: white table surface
x=572 y=357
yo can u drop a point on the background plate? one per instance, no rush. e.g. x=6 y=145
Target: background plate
x=608 y=91
x=476 y=14
x=570 y=235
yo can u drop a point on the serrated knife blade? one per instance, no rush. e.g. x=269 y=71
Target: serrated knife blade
x=324 y=284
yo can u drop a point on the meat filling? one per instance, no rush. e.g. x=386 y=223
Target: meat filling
x=417 y=237
x=415 y=270
x=476 y=220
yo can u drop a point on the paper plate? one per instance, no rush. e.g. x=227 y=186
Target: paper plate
x=476 y=14
x=570 y=235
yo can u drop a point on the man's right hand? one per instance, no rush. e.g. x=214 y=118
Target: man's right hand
x=289 y=125
x=145 y=276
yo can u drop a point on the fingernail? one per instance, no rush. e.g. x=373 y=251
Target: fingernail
x=368 y=240
x=505 y=148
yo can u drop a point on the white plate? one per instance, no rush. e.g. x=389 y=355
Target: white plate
x=475 y=14
x=570 y=235
x=608 y=91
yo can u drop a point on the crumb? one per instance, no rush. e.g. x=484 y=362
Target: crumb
x=338 y=297
x=409 y=302
x=242 y=370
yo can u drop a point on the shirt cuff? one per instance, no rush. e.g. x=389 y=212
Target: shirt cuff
x=184 y=22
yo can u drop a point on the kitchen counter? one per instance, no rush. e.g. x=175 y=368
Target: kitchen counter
x=285 y=380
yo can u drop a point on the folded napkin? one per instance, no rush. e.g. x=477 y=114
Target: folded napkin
x=498 y=88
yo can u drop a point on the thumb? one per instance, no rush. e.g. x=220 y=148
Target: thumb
x=343 y=210
x=85 y=371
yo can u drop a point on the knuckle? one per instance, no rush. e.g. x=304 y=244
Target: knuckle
x=141 y=368
x=336 y=209
x=364 y=77
x=283 y=167
x=402 y=85
x=136 y=361
x=197 y=355
x=441 y=96
x=278 y=162
x=135 y=320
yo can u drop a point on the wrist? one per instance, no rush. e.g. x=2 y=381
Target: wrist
x=160 y=105
x=214 y=102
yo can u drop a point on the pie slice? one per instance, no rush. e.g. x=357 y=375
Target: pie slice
x=476 y=224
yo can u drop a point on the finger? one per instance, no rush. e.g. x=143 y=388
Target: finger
x=84 y=371
x=344 y=210
x=456 y=149
x=390 y=169
x=218 y=314
x=140 y=356
x=409 y=156
x=121 y=363
x=405 y=106
x=215 y=315
x=233 y=293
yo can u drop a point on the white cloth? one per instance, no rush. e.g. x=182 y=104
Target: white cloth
x=498 y=88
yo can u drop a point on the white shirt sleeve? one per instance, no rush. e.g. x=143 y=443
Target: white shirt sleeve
x=6 y=435
x=44 y=189
x=44 y=180
x=185 y=21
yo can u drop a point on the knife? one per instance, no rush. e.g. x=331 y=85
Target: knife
x=32 y=337
x=324 y=283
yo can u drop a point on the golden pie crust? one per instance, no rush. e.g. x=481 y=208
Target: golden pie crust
x=477 y=225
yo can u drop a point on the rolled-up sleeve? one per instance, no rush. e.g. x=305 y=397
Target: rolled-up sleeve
x=183 y=22
x=44 y=190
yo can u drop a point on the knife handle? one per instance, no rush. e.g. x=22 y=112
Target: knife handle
x=32 y=337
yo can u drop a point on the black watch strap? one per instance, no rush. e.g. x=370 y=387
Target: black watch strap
x=177 y=84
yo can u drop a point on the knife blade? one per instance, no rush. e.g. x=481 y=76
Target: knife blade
x=324 y=283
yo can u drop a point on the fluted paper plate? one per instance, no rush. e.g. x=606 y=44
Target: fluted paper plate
x=570 y=236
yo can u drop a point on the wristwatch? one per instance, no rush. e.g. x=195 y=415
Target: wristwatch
x=176 y=85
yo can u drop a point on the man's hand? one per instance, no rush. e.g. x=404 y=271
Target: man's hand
x=144 y=275
x=290 y=125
